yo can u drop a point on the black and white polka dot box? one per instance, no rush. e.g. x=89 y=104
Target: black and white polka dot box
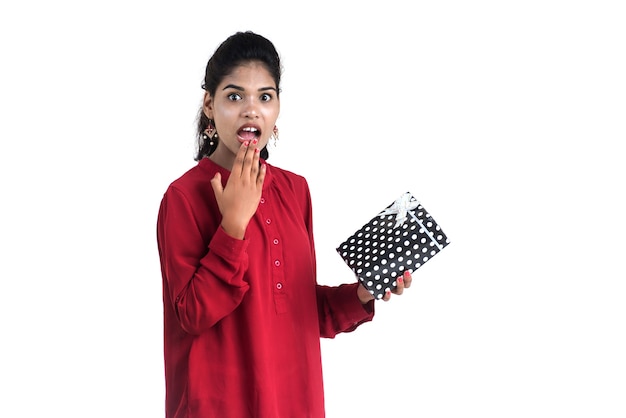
x=402 y=237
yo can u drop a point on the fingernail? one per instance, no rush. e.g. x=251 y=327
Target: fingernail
x=256 y=150
x=254 y=141
x=407 y=273
x=246 y=143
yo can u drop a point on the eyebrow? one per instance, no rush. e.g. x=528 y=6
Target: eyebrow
x=233 y=86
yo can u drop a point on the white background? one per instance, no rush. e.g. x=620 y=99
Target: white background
x=506 y=119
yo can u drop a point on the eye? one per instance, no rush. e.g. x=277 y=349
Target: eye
x=266 y=97
x=234 y=97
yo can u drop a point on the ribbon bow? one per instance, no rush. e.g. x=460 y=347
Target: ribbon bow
x=400 y=208
x=403 y=206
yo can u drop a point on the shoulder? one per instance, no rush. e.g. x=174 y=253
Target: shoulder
x=191 y=196
x=286 y=178
x=186 y=178
x=292 y=187
x=197 y=178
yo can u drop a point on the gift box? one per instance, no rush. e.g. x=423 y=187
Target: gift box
x=404 y=236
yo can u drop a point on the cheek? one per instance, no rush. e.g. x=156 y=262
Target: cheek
x=224 y=117
x=271 y=115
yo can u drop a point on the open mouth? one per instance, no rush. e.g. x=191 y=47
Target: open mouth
x=248 y=133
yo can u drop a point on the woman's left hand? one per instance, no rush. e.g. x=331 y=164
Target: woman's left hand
x=402 y=282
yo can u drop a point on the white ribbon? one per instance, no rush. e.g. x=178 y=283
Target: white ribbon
x=401 y=207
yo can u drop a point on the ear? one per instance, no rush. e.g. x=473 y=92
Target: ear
x=207 y=105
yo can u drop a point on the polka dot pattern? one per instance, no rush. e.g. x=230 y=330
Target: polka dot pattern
x=383 y=249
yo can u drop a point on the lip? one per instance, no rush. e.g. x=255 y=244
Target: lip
x=248 y=125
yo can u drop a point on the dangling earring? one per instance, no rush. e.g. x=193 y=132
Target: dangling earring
x=210 y=134
x=275 y=135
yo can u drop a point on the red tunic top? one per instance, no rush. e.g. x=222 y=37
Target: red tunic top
x=243 y=318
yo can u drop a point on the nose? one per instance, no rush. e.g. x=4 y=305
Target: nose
x=250 y=109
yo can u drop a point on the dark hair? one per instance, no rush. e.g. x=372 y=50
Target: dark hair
x=237 y=49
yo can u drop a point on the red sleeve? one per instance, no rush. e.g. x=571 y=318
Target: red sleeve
x=339 y=308
x=204 y=282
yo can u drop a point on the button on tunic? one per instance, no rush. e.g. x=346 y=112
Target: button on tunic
x=243 y=318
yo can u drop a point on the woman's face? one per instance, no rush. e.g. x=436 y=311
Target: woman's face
x=245 y=107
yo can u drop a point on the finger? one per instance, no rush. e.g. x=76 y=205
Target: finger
x=216 y=183
x=240 y=158
x=399 y=286
x=408 y=279
x=249 y=171
x=387 y=296
x=254 y=168
x=261 y=177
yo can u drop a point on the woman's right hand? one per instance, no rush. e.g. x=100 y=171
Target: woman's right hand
x=238 y=201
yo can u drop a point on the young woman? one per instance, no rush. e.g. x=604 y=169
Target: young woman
x=243 y=313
